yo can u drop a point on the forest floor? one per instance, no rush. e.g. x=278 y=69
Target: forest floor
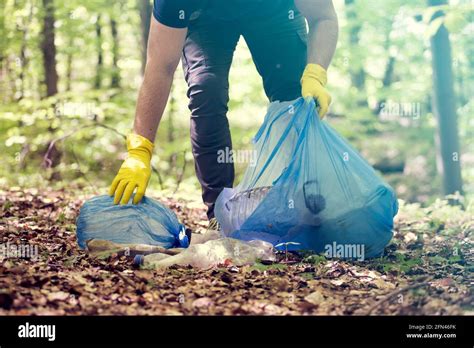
x=424 y=271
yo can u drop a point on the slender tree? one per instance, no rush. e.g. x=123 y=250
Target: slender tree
x=23 y=28
x=357 y=72
x=115 y=81
x=69 y=63
x=145 y=9
x=100 y=53
x=3 y=43
x=444 y=106
x=3 y=48
x=48 y=49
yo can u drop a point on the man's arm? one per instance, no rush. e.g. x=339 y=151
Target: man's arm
x=323 y=30
x=322 y=41
x=165 y=45
x=164 y=50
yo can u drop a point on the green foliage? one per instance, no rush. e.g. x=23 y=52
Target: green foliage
x=401 y=263
x=261 y=267
x=436 y=238
x=315 y=259
x=372 y=35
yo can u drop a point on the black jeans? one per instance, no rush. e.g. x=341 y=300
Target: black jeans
x=278 y=48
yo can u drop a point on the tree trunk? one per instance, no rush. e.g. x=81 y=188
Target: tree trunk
x=3 y=42
x=69 y=60
x=171 y=114
x=49 y=49
x=10 y=83
x=145 y=9
x=448 y=155
x=171 y=131
x=358 y=73
x=3 y=82
x=5 y=77
x=115 y=82
x=386 y=82
x=100 y=54
x=22 y=61
x=23 y=28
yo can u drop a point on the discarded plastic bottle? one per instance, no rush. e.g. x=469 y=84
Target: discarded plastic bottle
x=212 y=253
x=244 y=203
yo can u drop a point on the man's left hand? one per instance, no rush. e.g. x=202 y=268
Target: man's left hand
x=312 y=85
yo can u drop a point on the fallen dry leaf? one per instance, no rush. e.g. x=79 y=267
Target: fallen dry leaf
x=315 y=298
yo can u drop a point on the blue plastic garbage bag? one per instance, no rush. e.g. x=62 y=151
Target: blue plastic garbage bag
x=148 y=222
x=308 y=190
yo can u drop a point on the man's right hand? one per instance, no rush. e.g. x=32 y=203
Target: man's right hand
x=135 y=171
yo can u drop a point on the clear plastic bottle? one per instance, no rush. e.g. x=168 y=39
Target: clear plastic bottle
x=244 y=203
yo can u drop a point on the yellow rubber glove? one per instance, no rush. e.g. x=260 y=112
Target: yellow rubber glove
x=312 y=85
x=135 y=171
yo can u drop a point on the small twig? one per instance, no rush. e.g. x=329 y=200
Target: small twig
x=24 y=152
x=423 y=282
x=160 y=180
x=125 y=279
x=47 y=161
x=110 y=128
x=181 y=174
x=82 y=173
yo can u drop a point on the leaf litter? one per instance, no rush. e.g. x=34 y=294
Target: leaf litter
x=425 y=270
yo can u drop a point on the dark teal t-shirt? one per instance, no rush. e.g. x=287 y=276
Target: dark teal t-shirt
x=177 y=13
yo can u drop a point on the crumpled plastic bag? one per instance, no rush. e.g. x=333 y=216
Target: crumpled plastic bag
x=212 y=253
x=309 y=189
x=148 y=222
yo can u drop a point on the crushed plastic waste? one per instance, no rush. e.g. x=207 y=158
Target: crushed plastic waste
x=212 y=253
